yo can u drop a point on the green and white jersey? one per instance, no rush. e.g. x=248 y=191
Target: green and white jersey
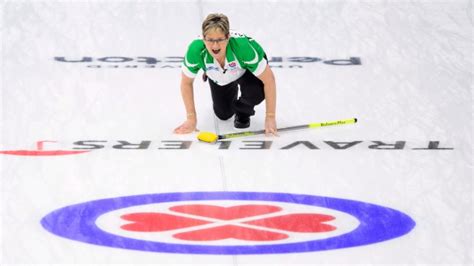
x=242 y=53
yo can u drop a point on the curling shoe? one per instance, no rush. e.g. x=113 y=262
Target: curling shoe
x=241 y=121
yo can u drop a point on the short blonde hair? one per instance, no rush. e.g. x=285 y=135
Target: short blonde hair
x=215 y=21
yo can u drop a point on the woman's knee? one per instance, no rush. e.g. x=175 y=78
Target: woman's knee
x=223 y=114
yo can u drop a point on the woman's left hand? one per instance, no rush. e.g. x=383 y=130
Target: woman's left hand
x=271 y=127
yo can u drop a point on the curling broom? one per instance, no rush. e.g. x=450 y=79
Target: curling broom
x=210 y=137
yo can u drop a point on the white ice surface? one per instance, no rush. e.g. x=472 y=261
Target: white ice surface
x=415 y=85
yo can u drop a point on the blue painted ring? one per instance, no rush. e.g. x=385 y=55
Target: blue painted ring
x=377 y=223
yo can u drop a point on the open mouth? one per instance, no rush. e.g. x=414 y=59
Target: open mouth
x=216 y=51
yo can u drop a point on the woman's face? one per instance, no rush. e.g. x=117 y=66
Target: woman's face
x=216 y=43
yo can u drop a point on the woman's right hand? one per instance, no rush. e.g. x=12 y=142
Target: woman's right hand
x=188 y=126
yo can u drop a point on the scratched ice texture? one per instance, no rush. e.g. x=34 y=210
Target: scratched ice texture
x=413 y=85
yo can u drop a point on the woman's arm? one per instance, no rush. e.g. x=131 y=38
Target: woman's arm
x=269 y=86
x=187 y=93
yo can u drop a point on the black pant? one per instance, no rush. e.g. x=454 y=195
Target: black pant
x=225 y=102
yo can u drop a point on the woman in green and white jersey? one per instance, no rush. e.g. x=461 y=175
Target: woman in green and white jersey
x=229 y=60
